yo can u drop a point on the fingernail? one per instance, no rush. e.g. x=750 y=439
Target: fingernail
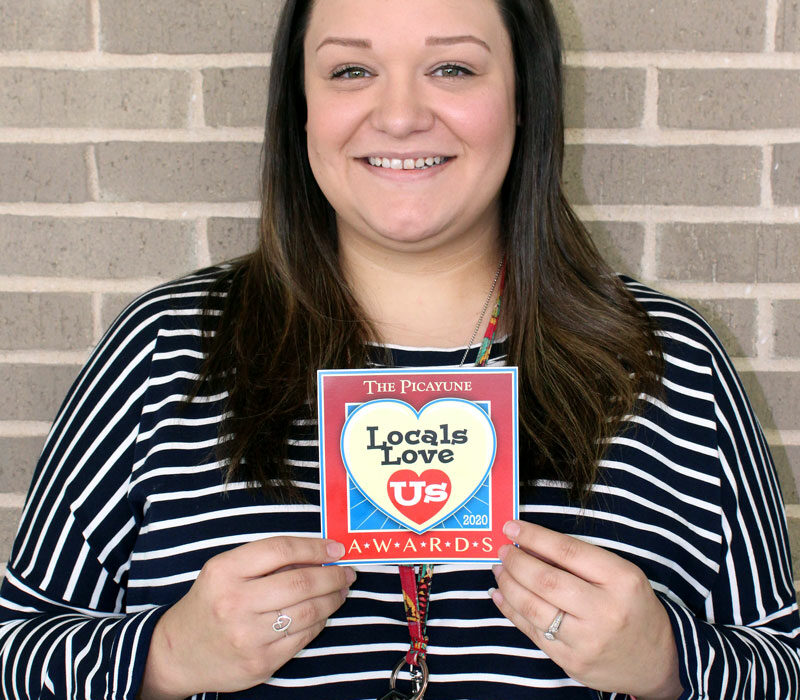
x=496 y=596
x=344 y=592
x=349 y=575
x=497 y=569
x=501 y=553
x=335 y=550
x=511 y=529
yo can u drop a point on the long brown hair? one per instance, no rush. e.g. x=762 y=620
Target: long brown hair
x=585 y=349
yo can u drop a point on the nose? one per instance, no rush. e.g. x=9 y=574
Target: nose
x=401 y=108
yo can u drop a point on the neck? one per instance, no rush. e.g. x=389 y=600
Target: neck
x=430 y=299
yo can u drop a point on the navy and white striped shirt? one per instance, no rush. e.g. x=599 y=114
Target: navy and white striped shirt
x=128 y=502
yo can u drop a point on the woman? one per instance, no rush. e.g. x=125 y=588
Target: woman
x=414 y=149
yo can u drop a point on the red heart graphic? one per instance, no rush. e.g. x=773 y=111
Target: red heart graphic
x=419 y=496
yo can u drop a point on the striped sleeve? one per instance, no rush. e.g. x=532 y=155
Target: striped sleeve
x=745 y=643
x=64 y=632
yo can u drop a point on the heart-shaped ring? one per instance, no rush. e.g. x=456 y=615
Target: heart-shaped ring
x=282 y=623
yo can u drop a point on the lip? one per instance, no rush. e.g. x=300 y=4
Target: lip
x=402 y=175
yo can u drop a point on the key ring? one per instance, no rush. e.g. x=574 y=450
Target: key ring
x=419 y=677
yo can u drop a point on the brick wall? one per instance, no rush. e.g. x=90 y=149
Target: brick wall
x=129 y=143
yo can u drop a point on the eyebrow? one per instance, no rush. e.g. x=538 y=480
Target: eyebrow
x=352 y=43
x=429 y=41
x=460 y=39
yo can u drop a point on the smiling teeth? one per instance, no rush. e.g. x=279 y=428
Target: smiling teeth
x=408 y=163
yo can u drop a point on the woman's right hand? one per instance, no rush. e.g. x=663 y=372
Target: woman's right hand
x=220 y=637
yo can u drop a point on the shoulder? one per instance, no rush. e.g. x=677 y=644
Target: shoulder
x=179 y=302
x=168 y=319
x=682 y=330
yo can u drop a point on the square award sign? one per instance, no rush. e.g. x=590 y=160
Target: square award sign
x=418 y=465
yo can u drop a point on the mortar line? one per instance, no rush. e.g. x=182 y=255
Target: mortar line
x=756 y=364
x=650 y=245
x=12 y=500
x=197 y=116
x=94 y=60
x=767 y=159
x=94 y=9
x=80 y=285
x=44 y=357
x=683 y=60
x=180 y=211
x=91 y=60
x=639 y=136
x=728 y=290
x=651 y=95
x=203 y=250
x=687 y=213
x=771 y=29
x=783 y=437
x=92 y=174
x=656 y=136
x=97 y=316
x=191 y=134
x=765 y=325
x=23 y=429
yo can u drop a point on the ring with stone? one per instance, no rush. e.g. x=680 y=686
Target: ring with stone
x=282 y=623
x=552 y=630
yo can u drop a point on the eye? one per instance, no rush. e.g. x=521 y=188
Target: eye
x=350 y=73
x=451 y=70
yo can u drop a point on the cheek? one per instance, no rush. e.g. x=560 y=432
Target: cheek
x=487 y=124
x=329 y=136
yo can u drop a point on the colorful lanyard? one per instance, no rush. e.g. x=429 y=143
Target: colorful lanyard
x=417 y=584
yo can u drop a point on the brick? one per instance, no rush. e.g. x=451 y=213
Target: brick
x=788 y=34
x=45 y=321
x=43 y=173
x=44 y=25
x=179 y=172
x=794 y=545
x=19 y=456
x=111 y=305
x=604 y=98
x=787 y=464
x=786 y=174
x=729 y=99
x=734 y=321
x=120 y=99
x=729 y=252
x=188 y=26
x=96 y=248
x=620 y=243
x=655 y=25
x=787 y=328
x=623 y=174
x=235 y=96
x=33 y=392
x=230 y=238
x=775 y=397
x=9 y=523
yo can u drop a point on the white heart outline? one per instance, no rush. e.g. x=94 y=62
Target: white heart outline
x=481 y=481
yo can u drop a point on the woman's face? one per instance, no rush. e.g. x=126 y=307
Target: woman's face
x=411 y=117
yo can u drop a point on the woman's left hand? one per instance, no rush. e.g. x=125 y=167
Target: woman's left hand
x=615 y=634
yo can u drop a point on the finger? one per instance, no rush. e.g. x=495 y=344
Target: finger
x=264 y=556
x=291 y=586
x=529 y=612
x=295 y=619
x=560 y=588
x=589 y=562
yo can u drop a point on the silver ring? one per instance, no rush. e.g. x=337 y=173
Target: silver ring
x=282 y=623
x=552 y=631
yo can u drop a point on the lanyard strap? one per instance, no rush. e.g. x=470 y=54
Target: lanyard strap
x=416 y=594
x=417 y=584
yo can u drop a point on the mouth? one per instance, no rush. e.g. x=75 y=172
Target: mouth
x=407 y=163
